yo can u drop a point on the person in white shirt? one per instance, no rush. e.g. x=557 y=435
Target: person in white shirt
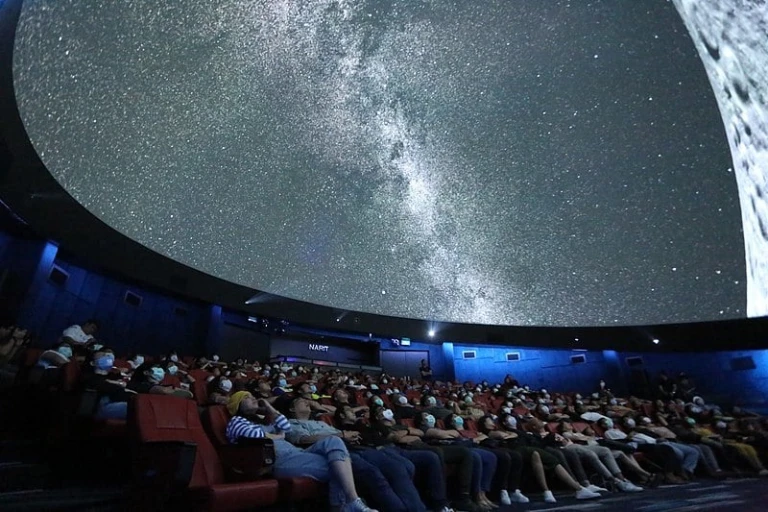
x=79 y=335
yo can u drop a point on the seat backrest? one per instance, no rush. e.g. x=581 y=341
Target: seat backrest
x=168 y=418
x=215 y=419
x=200 y=390
x=69 y=376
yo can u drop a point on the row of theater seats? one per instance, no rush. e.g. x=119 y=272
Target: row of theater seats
x=183 y=460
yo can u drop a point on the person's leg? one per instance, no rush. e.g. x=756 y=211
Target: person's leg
x=490 y=463
x=632 y=464
x=429 y=468
x=503 y=467
x=317 y=467
x=399 y=473
x=690 y=456
x=464 y=462
x=375 y=485
x=608 y=460
x=112 y=411
x=591 y=459
x=573 y=465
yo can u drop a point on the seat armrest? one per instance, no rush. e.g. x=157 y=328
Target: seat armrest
x=165 y=464
x=89 y=401
x=249 y=459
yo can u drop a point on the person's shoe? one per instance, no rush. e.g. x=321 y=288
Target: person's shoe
x=518 y=497
x=466 y=505
x=762 y=472
x=625 y=486
x=586 y=494
x=358 y=506
x=549 y=497
x=595 y=488
x=445 y=509
x=504 y=497
x=653 y=481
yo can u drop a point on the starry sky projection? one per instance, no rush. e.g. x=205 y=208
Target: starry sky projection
x=501 y=162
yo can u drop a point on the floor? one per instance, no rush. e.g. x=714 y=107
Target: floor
x=742 y=495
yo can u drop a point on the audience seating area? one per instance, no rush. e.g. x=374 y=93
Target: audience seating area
x=171 y=451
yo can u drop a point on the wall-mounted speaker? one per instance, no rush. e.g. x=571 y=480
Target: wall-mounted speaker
x=132 y=299
x=58 y=276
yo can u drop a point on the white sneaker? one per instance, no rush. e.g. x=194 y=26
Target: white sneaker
x=446 y=509
x=549 y=497
x=504 y=497
x=518 y=497
x=358 y=506
x=625 y=486
x=595 y=488
x=586 y=494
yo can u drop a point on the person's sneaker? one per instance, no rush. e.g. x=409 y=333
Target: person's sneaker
x=595 y=488
x=625 y=486
x=586 y=494
x=358 y=506
x=445 y=509
x=549 y=497
x=518 y=497
x=763 y=472
x=504 y=497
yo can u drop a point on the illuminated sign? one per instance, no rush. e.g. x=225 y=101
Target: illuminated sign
x=318 y=348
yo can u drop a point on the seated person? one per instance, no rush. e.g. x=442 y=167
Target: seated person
x=308 y=392
x=261 y=389
x=484 y=462
x=734 y=442
x=112 y=393
x=326 y=460
x=470 y=409
x=509 y=462
x=690 y=455
x=280 y=385
x=663 y=456
x=56 y=357
x=341 y=397
x=12 y=339
x=135 y=360
x=388 y=478
x=536 y=454
x=430 y=405
x=80 y=335
x=148 y=378
x=173 y=357
x=219 y=391
x=403 y=410
x=602 y=459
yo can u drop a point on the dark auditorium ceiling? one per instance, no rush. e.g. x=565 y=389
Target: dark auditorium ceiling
x=531 y=164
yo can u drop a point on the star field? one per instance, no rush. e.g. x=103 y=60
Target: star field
x=500 y=162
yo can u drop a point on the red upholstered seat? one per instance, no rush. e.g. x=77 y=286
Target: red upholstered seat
x=167 y=418
x=200 y=391
x=215 y=419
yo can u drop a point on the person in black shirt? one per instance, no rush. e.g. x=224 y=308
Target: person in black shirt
x=666 y=387
x=112 y=395
x=425 y=370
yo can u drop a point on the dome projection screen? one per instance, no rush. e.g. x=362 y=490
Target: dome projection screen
x=500 y=162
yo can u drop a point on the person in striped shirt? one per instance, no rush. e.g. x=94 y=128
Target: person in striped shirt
x=326 y=460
